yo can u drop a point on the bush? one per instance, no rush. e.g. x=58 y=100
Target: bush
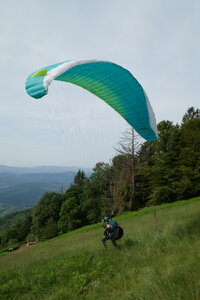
x=163 y=194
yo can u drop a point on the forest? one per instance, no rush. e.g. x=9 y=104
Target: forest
x=140 y=175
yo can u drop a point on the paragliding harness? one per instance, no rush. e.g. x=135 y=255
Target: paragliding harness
x=112 y=232
x=115 y=232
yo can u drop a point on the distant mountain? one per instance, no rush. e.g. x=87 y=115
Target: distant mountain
x=10 y=179
x=26 y=194
x=23 y=187
x=41 y=169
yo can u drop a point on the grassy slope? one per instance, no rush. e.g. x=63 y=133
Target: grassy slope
x=160 y=259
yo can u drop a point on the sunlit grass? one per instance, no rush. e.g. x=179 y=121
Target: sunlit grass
x=159 y=259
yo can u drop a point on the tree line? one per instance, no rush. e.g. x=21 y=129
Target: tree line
x=141 y=174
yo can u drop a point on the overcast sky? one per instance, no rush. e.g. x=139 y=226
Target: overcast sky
x=158 y=41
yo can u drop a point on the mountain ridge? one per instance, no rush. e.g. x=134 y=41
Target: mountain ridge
x=22 y=187
x=41 y=169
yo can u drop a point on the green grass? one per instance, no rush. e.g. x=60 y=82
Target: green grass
x=159 y=259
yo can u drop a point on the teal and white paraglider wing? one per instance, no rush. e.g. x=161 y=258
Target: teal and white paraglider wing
x=110 y=82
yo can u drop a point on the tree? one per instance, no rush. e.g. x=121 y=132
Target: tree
x=23 y=228
x=190 y=140
x=191 y=114
x=189 y=185
x=8 y=234
x=125 y=172
x=175 y=172
x=71 y=216
x=63 y=224
x=48 y=207
x=100 y=184
x=91 y=202
x=164 y=170
x=51 y=229
x=80 y=178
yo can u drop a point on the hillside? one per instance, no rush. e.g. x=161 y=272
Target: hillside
x=23 y=187
x=6 y=209
x=10 y=179
x=21 y=190
x=159 y=259
x=26 y=194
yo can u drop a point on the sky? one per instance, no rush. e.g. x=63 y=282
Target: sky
x=156 y=40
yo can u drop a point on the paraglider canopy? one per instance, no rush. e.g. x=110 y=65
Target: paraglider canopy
x=109 y=81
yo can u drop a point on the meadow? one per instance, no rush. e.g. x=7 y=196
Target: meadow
x=159 y=259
